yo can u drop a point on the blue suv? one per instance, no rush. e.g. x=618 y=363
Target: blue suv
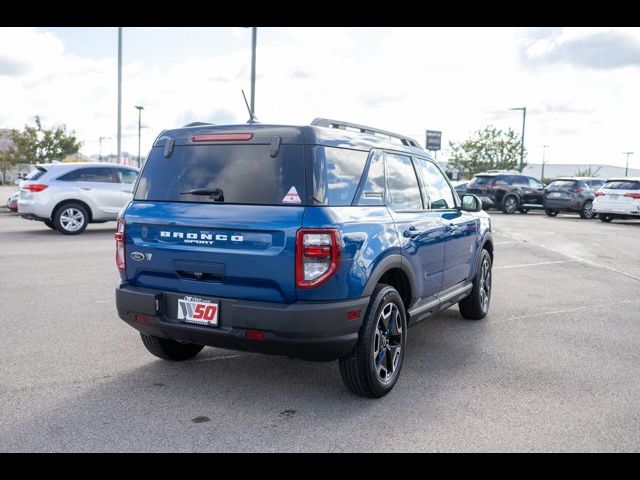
x=320 y=242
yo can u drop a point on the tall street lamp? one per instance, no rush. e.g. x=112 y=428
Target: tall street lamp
x=252 y=105
x=544 y=150
x=119 y=93
x=140 y=108
x=102 y=138
x=524 y=117
x=626 y=168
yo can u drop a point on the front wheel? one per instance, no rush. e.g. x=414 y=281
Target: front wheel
x=372 y=368
x=587 y=210
x=170 y=349
x=605 y=217
x=476 y=305
x=510 y=204
x=552 y=212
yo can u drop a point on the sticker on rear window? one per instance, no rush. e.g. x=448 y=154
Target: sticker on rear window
x=292 y=196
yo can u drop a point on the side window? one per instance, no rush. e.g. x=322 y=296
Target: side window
x=89 y=175
x=438 y=189
x=534 y=183
x=373 y=187
x=519 y=180
x=338 y=172
x=404 y=192
x=125 y=175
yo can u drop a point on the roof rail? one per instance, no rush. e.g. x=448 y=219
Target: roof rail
x=325 y=122
x=197 y=124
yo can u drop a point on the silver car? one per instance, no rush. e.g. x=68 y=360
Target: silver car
x=69 y=196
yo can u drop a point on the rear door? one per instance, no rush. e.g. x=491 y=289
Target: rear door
x=99 y=188
x=218 y=220
x=421 y=232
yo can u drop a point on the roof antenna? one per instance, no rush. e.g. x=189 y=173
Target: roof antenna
x=252 y=117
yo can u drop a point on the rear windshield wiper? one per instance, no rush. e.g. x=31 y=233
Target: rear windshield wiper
x=216 y=194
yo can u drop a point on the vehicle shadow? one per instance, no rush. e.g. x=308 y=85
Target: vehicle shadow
x=237 y=401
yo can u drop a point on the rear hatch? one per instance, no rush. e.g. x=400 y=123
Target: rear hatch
x=563 y=190
x=482 y=185
x=619 y=196
x=217 y=218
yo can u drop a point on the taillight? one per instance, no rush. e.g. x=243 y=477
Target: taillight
x=119 y=236
x=633 y=195
x=317 y=256
x=600 y=194
x=36 y=187
x=575 y=190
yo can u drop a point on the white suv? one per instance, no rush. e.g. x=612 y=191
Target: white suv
x=618 y=198
x=69 y=196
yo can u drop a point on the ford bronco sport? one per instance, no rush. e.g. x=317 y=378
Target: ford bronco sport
x=320 y=242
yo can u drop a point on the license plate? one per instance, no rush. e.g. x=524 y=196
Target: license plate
x=199 y=311
x=613 y=196
x=555 y=194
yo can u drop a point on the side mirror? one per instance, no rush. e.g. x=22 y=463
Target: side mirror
x=471 y=203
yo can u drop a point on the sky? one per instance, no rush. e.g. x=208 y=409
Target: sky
x=580 y=85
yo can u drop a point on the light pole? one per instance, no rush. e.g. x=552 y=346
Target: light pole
x=119 y=93
x=626 y=168
x=524 y=117
x=140 y=108
x=102 y=138
x=544 y=150
x=252 y=105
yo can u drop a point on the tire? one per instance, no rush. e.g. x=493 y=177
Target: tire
x=586 y=211
x=71 y=218
x=552 y=212
x=605 y=217
x=170 y=349
x=366 y=370
x=49 y=224
x=510 y=204
x=476 y=305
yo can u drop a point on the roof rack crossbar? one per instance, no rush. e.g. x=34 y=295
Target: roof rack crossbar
x=328 y=123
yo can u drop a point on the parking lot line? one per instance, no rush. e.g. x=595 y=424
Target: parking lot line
x=535 y=264
x=574 y=309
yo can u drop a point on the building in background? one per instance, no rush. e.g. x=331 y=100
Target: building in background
x=553 y=170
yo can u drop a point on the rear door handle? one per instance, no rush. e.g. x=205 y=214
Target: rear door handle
x=452 y=227
x=85 y=188
x=412 y=232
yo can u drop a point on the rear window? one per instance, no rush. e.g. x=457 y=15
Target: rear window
x=563 y=183
x=35 y=174
x=622 y=185
x=482 y=181
x=242 y=174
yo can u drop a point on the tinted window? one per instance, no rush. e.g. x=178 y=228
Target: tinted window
x=245 y=174
x=622 y=185
x=89 y=175
x=518 y=180
x=404 y=191
x=337 y=173
x=35 y=174
x=482 y=181
x=439 y=191
x=563 y=183
x=125 y=175
x=534 y=183
x=595 y=184
x=373 y=188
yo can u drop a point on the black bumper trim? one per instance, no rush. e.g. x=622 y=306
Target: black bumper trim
x=309 y=330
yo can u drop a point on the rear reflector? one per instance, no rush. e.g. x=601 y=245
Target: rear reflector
x=221 y=137
x=253 y=335
x=38 y=187
x=353 y=315
x=142 y=318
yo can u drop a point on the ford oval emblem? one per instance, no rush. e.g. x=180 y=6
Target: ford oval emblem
x=137 y=256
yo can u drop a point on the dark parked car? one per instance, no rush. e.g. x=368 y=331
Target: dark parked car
x=325 y=244
x=507 y=191
x=571 y=194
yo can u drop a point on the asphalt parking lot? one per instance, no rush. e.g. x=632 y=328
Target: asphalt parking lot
x=554 y=367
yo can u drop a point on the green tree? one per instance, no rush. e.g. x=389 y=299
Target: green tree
x=36 y=144
x=488 y=149
x=7 y=157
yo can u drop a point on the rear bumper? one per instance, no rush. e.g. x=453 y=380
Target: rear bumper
x=33 y=209
x=566 y=204
x=310 y=330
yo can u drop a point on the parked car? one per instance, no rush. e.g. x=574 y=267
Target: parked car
x=507 y=191
x=321 y=242
x=571 y=194
x=618 y=198
x=12 y=202
x=69 y=196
